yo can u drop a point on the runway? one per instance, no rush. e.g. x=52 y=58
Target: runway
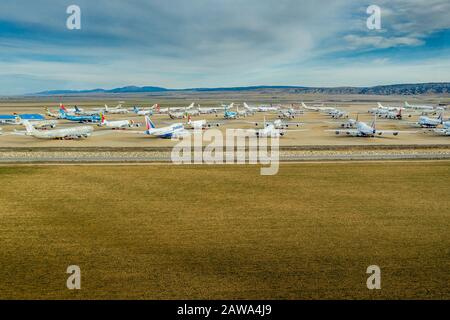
x=163 y=155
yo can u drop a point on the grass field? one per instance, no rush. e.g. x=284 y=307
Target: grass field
x=225 y=232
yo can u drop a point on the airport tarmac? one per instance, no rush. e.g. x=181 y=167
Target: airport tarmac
x=313 y=123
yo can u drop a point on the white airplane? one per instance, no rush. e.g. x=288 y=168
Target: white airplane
x=267 y=108
x=241 y=113
x=418 y=107
x=252 y=110
x=362 y=129
x=192 y=112
x=116 y=110
x=159 y=110
x=289 y=113
x=200 y=124
x=427 y=122
x=144 y=112
x=174 y=109
x=394 y=115
x=317 y=108
x=52 y=114
x=80 y=111
x=207 y=110
x=116 y=124
x=445 y=131
x=269 y=130
x=280 y=124
x=66 y=133
x=336 y=113
x=177 y=115
x=350 y=123
x=39 y=124
x=175 y=130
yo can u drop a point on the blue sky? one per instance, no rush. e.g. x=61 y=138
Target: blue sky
x=213 y=43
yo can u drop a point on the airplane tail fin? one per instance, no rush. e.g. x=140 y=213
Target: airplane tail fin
x=303 y=105
x=191 y=106
x=379 y=105
x=407 y=104
x=28 y=126
x=374 y=122
x=106 y=107
x=441 y=118
x=102 y=118
x=62 y=111
x=149 y=123
x=189 y=119
x=76 y=109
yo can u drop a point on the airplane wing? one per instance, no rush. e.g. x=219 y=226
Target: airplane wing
x=103 y=132
x=393 y=132
x=346 y=131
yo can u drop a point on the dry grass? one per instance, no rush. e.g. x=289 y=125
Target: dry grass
x=166 y=232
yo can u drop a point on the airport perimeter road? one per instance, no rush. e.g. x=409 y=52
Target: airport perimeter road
x=164 y=154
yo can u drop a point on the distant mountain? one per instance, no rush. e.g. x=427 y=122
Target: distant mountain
x=127 y=89
x=398 y=89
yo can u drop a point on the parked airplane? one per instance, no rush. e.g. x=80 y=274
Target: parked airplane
x=160 y=110
x=116 y=124
x=177 y=115
x=290 y=113
x=39 y=124
x=175 y=130
x=192 y=112
x=52 y=114
x=280 y=124
x=317 y=108
x=350 y=123
x=230 y=114
x=71 y=110
x=337 y=114
x=79 y=111
x=143 y=112
x=207 y=110
x=394 y=115
x=269 y=130
x=251 y=110
x=180 y=109
x=267 y=108
x=418 y=107
x=116 y=110
x=66 y=133
x=200 y=124
x=80 y=118
x=427 y=122
x=362 y=129
x=242 y=113
x=445 y=131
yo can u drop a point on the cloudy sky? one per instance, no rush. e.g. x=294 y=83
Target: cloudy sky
x=213 y=43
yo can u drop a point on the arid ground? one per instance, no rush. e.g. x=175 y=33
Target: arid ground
x=225 y=232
